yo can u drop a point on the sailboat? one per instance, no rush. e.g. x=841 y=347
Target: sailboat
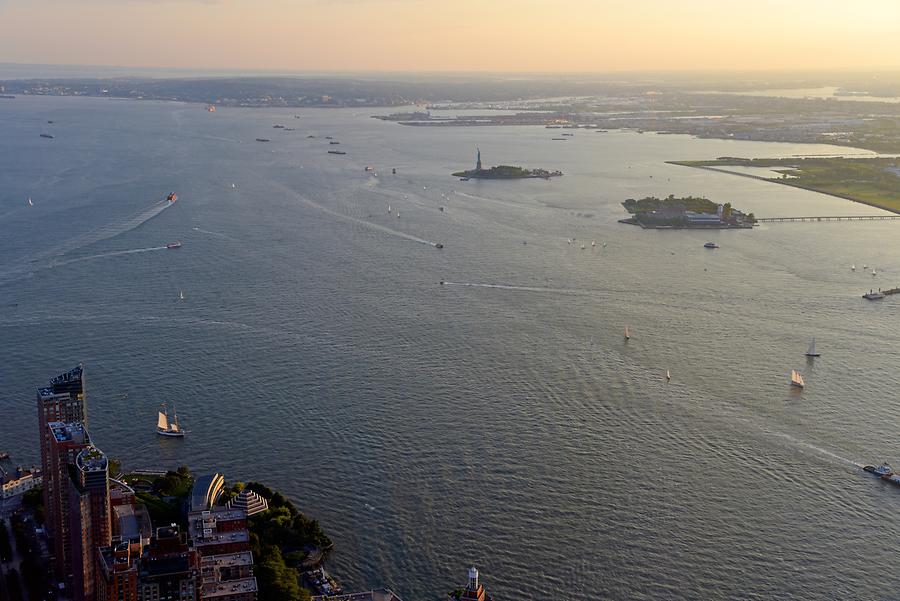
x=166 y=426
x=668 y=375
x=797 y=379
x=233 y=186
x=627 y=333
x=181 y=295
x=811 y=351
x=30 y=204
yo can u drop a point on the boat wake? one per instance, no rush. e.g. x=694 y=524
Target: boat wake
x=209 y=233
x=545 y=289
x=111 y=230
x=817 y=449
x=364 y=223
x=115 y=253
x=116 y=228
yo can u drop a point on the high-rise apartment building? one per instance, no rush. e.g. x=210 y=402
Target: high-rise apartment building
x=89 y=518
x=67 y=441
x=63 y=401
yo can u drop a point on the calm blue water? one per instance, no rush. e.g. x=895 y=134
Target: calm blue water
x=501 y=419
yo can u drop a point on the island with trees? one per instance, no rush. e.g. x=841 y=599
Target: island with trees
x=507 y=172
x=503 y=172
x=689 y=212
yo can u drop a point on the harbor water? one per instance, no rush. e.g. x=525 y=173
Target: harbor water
x=500 y=419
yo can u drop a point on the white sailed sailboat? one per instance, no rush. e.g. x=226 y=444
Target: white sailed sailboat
x=797 y=379
x=181 y=295
x=668 y=375
x=166 y=426
x=627 y=333
x=811 y=351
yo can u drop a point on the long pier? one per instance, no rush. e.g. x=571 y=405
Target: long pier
x=829 y=218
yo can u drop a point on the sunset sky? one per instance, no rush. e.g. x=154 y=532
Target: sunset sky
x=454 y=35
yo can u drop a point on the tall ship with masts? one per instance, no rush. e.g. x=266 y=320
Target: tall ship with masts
x=168 y=425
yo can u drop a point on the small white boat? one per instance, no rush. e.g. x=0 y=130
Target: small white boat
x=797 y=379
x=627 y=333
x=582 y=247
x=853 y=268
x=668 y=375
x=233 y=187
x=398 y=214
x=181 y=295
x=593 y=243
x=389 y=208
x=168 y=426
x=811 y=351
x=873 y=273
x=30 y=204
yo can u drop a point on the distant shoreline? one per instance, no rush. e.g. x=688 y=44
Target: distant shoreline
x=788 y=182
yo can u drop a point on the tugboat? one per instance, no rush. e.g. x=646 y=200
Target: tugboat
x=873 y=295
x=881 y=471
x=710 y=245
x=172 y=197
x=885 y=472
x=174 y=244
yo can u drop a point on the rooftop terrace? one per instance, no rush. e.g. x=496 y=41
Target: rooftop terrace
x=72 y=431
x=215 y=590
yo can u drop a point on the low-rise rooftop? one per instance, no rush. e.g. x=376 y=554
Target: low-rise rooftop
x=215 y=590
x=245 y=558
x=374 y=595
x=206 y=539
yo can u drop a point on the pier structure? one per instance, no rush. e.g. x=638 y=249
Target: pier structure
x=829 y=218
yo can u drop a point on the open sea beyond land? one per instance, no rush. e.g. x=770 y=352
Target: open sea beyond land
x=500 y=419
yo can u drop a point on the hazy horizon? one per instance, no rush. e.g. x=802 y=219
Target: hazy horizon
x=419 y=36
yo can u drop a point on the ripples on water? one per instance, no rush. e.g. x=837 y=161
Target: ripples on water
x=500 y=419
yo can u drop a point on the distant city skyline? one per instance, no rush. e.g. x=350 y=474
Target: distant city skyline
x=464 y=36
